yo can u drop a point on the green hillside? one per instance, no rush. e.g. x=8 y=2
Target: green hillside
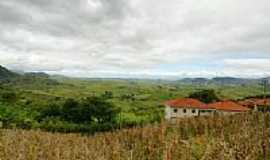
x=6 y=74
x=36 y=100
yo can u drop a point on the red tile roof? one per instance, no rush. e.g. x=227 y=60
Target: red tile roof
x=187 y=103
x=252 y=102
x=262 y=102
x=229 y=106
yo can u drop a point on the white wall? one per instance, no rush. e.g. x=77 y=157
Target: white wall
x=167 y=112
x=170 y=112
x=227 y=113
x=207 y=112
x=180 y=112
x=184 y=112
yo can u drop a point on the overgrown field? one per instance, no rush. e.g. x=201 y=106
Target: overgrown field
x=238 y=137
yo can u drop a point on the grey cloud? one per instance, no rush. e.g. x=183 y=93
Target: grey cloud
x=63 y=18
x=129 y=36
x=8 y=16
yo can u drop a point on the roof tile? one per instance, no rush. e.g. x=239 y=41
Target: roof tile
x=229 y=106
x=187 y=103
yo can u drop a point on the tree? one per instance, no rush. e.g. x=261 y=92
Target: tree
x=52 y=110
x=206 y=96
x=85 y=111
x=107 y=95
x=70 y=110
x=100 y=110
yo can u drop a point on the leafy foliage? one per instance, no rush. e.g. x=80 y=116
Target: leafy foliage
x=100 y=110
x=206 y=96
x=87 y=111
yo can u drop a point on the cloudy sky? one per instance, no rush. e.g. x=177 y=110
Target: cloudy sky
x=136 y=38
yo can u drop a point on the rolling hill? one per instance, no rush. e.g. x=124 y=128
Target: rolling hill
x=6 y=75
x=221 y=81
x=31 y=79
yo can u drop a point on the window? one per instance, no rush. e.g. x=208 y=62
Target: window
x=175 y=110
x=184 y=111
x=193 y=111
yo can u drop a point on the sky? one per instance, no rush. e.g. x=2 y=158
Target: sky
x=136 y=38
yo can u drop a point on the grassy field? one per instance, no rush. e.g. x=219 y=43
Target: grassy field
x=130 y=93
x=140 y=101
x=239 y=137
x=144 y=95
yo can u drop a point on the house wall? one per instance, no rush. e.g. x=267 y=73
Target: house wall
x=180 y=112
x=171 y=113
x=186 y=112
x=227 y=112
x=167 y=112
x=207 y=112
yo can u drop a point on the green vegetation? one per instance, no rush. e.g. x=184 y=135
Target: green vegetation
x=206 y=96
x=38 y=101
x=56 y=103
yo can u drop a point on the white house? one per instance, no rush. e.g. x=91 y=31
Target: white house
x=186 y=107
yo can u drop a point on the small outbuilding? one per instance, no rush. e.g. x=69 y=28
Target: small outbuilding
x=256 y=104
x=228 y=107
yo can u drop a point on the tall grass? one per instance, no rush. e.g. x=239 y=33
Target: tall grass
x=238 y=137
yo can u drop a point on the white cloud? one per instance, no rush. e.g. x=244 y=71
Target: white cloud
x=249 y=66
x=136 y=37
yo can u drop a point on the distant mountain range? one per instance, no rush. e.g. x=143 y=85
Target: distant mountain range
x=8 y=75
x=222 y=81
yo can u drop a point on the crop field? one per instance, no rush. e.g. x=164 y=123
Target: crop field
x=238 y=137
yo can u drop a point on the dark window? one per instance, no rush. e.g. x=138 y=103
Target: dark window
x=193 y=111
x=175 y=110
x=184 y=111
